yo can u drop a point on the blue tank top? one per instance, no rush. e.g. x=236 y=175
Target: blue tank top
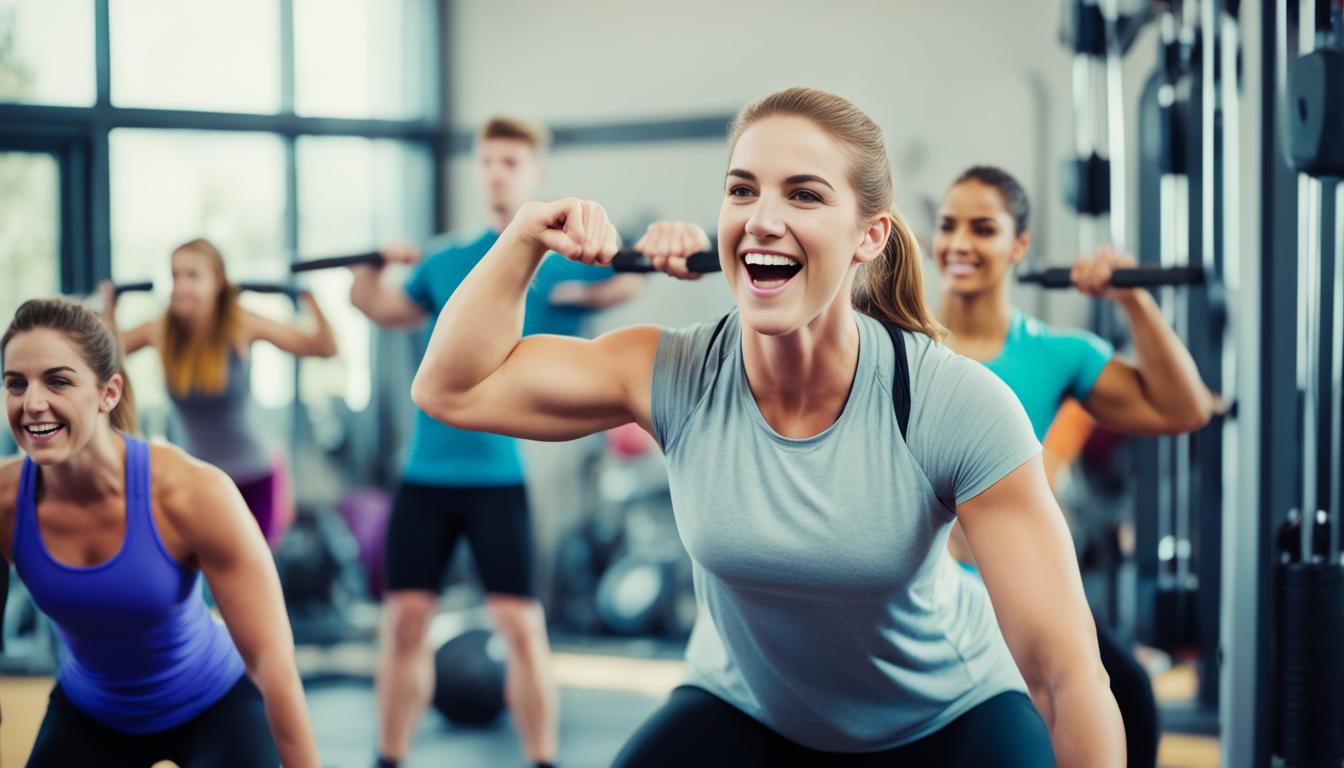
x=142 y=652
x=217 y=427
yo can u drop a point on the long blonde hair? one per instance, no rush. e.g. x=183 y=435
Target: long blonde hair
x=200 y=362
x=890 y=287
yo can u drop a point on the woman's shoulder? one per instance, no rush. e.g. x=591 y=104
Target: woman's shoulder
x=11 y=470
x=945 y=382
x=694 y=341
x=1033 y=328
x=182 y=484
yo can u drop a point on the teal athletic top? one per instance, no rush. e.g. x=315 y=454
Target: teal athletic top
x=1044 y=365
x=441 y=455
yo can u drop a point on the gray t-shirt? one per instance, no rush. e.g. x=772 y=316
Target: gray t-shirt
x=829 y=607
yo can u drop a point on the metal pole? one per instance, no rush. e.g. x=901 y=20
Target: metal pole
x=1115 y=125
x=1337 y=378
x=1309 y=343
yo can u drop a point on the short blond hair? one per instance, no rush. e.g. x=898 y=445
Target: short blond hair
x=508 y=127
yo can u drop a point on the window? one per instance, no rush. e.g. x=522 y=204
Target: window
x=270 y=127
x=364 y=58
x=29 y=229
x=354 y=195
x=46 y=51
x=214 y=55
x=169 y=187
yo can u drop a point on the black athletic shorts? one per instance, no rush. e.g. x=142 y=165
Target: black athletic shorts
x=428 y=520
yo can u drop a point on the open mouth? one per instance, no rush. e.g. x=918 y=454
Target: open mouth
x=43 y=432
x=770 y=270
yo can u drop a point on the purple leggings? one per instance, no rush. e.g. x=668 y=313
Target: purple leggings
x=266 y=497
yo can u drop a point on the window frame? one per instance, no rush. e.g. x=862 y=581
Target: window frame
x=78 y=136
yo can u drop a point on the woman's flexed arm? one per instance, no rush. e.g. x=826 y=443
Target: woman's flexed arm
x=479 y=373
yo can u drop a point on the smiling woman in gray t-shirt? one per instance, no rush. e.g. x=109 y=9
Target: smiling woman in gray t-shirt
x=816 y=460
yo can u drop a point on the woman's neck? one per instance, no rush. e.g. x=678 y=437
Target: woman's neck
x=976 y=317
x=809 y=370
x=95 y=471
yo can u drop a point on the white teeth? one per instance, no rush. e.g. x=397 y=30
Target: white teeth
x=770 y=260
x=45 y=429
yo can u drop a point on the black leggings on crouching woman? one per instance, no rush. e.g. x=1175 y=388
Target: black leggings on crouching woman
x=231 y=733
x=698 y=728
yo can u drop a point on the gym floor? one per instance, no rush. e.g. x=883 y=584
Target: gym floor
x=603 y=699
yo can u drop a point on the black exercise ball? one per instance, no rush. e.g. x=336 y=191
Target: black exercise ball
x=469 y=678
x=632 y=593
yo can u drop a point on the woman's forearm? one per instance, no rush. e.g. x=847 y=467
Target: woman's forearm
x=1084 y=722
x=482 y=321
x=287 y=712
x=324 y=338
x=1171 y=380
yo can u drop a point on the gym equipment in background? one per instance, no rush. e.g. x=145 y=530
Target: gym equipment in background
x=469 y=678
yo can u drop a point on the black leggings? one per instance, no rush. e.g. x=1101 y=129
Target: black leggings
x=697 y=728
x=231 y=732
x=1133 y=691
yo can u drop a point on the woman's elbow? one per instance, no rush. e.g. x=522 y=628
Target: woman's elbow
x=1199 y=416
x=1048 y=678
x=432 y=398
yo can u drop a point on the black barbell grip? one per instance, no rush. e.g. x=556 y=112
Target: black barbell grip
x=147 y=286
x=634 y=261
x=373 y=258
x=287 y=290
x=625 y=261
x=1134 y=277
x=141 y=287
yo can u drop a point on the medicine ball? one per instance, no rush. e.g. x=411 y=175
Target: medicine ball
x=469 y=678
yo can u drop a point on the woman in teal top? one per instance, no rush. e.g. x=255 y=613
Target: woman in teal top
x=982 y=234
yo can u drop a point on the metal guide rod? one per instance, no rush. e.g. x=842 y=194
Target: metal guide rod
x=1115 y=124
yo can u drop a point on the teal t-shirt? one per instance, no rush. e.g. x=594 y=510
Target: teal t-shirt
x=442 y=455
x=1044 y=365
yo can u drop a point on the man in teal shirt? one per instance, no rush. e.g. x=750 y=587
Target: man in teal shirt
x=458 y=483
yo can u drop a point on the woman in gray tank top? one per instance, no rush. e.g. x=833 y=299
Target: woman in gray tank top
x=833 y=628
x=203 y=339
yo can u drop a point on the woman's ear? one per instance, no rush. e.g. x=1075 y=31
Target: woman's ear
x=111 y=393
x=874 y=239
x=1021 y=246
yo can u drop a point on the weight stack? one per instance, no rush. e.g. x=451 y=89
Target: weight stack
x=1309 y=711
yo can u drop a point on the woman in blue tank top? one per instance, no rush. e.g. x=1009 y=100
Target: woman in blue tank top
x=982 y=234
x=111 y=537
x=203 y=340
x=833 y=629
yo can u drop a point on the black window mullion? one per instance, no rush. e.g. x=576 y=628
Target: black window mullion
x=439 y=148
x=90 y=253
x=98 y=252
x=102 y=53
x=73 y=216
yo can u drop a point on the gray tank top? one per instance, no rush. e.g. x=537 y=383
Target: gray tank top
x=829 y=607
x=217 y=427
